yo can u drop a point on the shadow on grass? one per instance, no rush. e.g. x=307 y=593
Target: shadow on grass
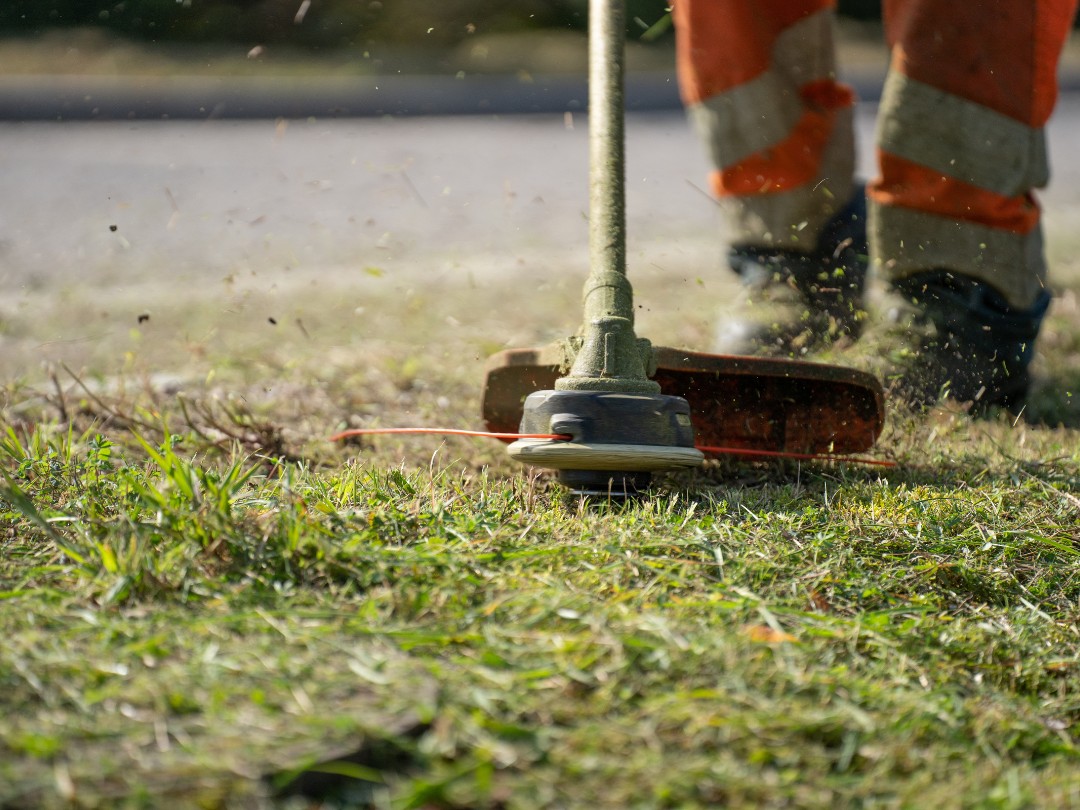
x=351 y=776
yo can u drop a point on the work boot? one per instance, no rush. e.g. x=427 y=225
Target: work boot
x=792 y=302
x=958 y=338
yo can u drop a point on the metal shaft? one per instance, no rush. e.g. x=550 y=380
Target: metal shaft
x=611 y=357
x=607 y=138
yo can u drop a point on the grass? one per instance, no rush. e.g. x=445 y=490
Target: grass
x=188 y=616
x=205 y=603
x=204 y=631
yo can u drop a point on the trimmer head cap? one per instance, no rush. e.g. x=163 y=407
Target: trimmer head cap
x=617 y=440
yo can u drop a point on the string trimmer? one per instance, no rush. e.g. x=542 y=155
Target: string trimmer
x=625 y=409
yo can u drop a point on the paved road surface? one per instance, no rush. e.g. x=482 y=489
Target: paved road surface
x=184 y=202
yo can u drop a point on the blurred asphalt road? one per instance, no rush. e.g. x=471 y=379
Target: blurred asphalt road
x=102 y=98
x=150 y=211
x=118 y=200
x=225 y=195
x=80 y=98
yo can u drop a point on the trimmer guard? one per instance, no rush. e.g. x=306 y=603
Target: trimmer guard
x=741 y=403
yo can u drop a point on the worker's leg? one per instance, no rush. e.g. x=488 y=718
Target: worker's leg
x=758 y=79
x=961 y=141
x=961 y=148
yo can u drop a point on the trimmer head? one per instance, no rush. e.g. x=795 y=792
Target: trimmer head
x=739 y=403
x=616 y=440
x=628 y=408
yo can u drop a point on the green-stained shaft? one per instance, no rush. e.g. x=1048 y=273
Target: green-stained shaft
x=607 y=139
x=611 y=357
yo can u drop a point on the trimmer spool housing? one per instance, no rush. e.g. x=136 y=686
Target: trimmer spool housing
x=617 y=439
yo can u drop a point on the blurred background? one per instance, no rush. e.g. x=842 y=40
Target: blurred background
x=324 y=23
x=196 y=187
x=336 y=36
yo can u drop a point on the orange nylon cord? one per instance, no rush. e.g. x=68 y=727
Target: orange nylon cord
x=565 y=437
x=448 y=432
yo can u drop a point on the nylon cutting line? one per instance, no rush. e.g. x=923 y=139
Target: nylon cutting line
x=565 y=437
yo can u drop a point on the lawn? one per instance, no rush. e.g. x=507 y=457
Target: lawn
x=205 y=602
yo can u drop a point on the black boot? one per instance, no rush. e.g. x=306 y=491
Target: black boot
x=959 y=338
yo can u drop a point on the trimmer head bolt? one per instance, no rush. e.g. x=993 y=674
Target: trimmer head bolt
x=569 y=425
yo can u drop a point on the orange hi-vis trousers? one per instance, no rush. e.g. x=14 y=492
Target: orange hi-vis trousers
x=960 y=129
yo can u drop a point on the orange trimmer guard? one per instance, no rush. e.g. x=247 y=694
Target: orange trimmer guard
x=741 y=403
